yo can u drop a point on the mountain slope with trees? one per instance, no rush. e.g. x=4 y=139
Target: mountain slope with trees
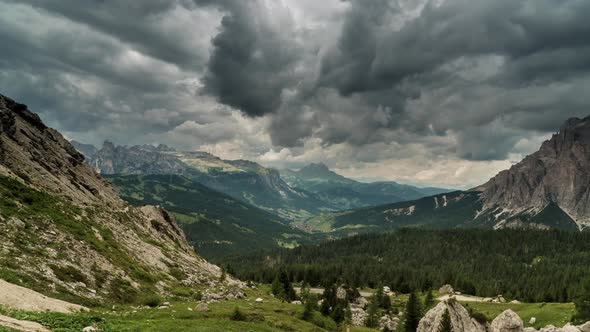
x=214 y=223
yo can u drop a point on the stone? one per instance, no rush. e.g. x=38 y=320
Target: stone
x=388 y=322
x=163 y=307
x=460 y=318
x=166 y=303
x=530 y=329
x=570 y=328
x=297 y=302
x=92 y=328
x=359 y=316
x=202 y=307
x=259 y=300
x=585 y=327
x=508 y=321
x=550 y=328
x=446 y=289
x=533 y=320
x=341 y=293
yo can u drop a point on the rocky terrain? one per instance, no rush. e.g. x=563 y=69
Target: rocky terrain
x=461 y=321
x=557 y=175
x=65 y=232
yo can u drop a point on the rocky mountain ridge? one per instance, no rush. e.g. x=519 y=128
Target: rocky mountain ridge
x=65 y=231
x=557 y=174
x=548 y=189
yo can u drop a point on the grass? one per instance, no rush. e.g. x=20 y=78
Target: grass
x=246 y=315
x=557 y=314
x=271 y=315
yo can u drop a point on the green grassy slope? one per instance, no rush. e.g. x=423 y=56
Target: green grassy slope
x=215 y=223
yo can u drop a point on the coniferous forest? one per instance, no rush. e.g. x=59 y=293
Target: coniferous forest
x=531 y=266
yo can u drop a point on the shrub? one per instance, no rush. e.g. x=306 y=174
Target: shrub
x=151 y=300
x=238 y=315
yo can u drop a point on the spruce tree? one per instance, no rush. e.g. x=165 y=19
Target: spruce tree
x=445 y=324
x=277 y=289
x=413 y=313
x=308 y=310
x=372 y=319
x=583 y=304
x=429 y=300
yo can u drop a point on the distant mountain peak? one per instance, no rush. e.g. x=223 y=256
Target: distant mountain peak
x=317 y=170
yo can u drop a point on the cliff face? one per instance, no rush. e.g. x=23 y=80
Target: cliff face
x=556 y=175
x=64 y=230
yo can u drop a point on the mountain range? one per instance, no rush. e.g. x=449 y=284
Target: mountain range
x=548 y=189
x=65 y=232
x=349 y=194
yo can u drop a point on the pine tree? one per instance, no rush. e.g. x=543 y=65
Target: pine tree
x=583 y=304
x=445 y=324
x=277 y=289
x=373 y=312
x=429 y=300
x=308 y=310
x=413 y=313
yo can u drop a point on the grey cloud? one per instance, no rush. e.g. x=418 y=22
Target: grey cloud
x=253 y=57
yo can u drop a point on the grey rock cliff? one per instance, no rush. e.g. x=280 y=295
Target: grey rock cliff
x=558 y=175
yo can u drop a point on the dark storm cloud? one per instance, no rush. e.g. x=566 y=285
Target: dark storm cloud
x=142 y=24
x=253 y=56
x=458 y=68
x=455 y=78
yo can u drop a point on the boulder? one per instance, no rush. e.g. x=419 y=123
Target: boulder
x=533 y=320
x=530 y=329
x=550 y=328
x=460 y=318
x=570 y=328
x=359 y=316
x=361 y=301
x=92 y=328
x=508 y=321
x=341 y=293
x=296 y=302
x=202 y=307
x=446 y=289
x=389 y=323
x=585 y=327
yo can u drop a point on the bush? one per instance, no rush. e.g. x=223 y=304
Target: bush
x=238 y=315
x=151 y=300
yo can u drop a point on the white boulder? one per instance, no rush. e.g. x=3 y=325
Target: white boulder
x=508 y=321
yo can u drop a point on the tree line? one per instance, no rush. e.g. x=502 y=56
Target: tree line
x=528 y=265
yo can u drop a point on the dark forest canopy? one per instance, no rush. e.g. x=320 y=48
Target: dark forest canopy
x=532 y=266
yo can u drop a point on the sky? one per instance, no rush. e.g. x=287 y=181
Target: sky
x=427 y=92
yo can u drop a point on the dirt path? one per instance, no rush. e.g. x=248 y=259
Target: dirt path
x=321 y=291
x=20 y=298
x=21 y=325
x=464 y=298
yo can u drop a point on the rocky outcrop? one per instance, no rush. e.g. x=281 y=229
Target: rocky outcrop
x=558 y=175
x=70 y=232
x=508 y=321
x=446 y=289
x=388 y=323
x=460 y=318
x=139 y=159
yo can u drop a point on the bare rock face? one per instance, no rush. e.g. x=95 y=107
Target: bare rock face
x=557 y=175
x=508 y=321
x=446 y=289
x=71 y=215
x=460 y=318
